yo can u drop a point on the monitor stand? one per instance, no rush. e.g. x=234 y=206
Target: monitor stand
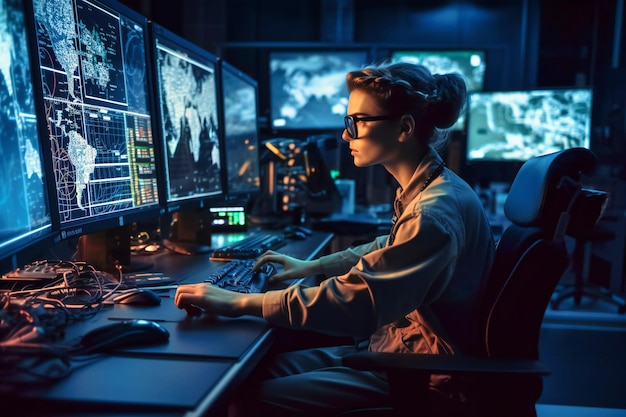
x=109 y=249
x=190 y=232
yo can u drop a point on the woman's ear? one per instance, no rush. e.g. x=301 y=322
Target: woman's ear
x=407 y=126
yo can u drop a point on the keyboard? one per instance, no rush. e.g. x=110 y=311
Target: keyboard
x=250 y=247
x=237 y=276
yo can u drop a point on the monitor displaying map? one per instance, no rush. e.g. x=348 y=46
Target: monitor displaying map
x=308 y=88
x=24 y=210
x=186 y=85
x=469 y=63
x=518 y=125
x=93 y=68
x=241 y=131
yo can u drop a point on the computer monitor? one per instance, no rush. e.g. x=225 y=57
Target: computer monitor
x=470 y=63
x=517 y=125
x=24 y=209
x=93 y=70
x=308 y=88
x=189 y=131
x=239 y=109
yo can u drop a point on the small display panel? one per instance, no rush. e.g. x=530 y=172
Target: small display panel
x=228 y=219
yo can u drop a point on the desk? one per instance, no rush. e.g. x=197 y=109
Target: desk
x=194 y=374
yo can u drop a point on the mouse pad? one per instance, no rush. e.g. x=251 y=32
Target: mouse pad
x=218 y=338
x=223 y=337
x=143 y=382
x=166 y=311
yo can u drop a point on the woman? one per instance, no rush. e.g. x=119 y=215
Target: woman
x=410 y=291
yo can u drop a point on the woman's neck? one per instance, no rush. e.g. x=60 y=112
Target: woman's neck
x=403 y=168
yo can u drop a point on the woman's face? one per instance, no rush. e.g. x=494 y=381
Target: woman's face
x=376 y=141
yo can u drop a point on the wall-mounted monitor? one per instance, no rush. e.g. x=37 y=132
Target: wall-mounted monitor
x=239 y=94
x=308 y=88
x=470 y=63
x=518 y=125
x=93 y=69
x=24 y=209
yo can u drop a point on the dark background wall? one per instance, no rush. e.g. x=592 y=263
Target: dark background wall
x=529 y=43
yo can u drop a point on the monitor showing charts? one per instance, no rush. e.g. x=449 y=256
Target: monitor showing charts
x=186 y=85
x=241 y=131
x=24 y=209
x=93 y=68
x=308 y=88
x=518 y=125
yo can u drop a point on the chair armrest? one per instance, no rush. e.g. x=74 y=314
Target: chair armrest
x=442 y=364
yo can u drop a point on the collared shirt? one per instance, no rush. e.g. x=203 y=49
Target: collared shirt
x=411 y=291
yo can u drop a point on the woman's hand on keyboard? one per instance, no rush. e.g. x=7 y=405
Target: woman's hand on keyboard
x=216 y=301
x=293 y=267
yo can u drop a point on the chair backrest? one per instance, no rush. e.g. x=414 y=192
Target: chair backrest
x=546 y=201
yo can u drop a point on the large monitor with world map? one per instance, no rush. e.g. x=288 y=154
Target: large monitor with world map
x=189 y=131
x=93 y=69
x=24 y=210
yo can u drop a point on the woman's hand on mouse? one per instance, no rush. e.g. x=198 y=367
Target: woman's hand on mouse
x=217 y=301
x=293 y=267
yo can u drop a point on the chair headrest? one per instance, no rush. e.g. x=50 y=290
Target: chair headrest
x=537 y=197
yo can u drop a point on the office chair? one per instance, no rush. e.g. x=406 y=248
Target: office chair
x=504 y=376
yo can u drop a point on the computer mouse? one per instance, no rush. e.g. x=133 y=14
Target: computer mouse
x=123 y=334
x=140 y=296
x=296 y=234
x=296 y=228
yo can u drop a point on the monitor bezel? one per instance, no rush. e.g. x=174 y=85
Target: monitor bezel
x=157 y=31
x=242 y=194
x=88 y=225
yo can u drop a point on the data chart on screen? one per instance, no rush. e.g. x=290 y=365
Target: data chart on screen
x=92 y=61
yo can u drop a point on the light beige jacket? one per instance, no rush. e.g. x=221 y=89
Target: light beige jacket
x=410 y=291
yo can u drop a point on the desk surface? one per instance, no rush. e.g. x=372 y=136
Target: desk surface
x=202 y=363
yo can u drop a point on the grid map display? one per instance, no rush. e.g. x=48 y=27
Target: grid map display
x=92 y=61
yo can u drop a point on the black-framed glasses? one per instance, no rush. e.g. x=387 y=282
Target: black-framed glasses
x=351 y=120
